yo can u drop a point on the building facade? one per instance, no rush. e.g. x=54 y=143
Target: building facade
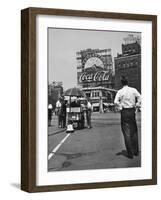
x=128 y=63
x=100 y=97
x=55 y=90
x=95 y=76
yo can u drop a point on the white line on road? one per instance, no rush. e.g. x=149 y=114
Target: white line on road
x=58 y=146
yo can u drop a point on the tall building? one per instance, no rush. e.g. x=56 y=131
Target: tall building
x=128 y=63
x=55 y=90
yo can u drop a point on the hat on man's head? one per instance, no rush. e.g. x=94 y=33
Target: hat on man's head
x=124 y=80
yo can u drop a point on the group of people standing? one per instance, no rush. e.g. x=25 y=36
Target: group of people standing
x=61 y=111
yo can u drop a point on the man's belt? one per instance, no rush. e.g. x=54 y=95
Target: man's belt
x=133 y=108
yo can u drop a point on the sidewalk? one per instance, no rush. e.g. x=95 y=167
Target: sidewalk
x=54 y=129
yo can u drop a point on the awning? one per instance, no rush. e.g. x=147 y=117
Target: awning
x=95 y=105
x=106 y=104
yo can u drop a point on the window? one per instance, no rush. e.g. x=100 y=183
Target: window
x=88 y=94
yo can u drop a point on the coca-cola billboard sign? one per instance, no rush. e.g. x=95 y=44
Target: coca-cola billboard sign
x=98 y=76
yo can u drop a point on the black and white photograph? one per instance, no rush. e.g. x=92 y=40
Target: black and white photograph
x=94 y=99
x=89 y=114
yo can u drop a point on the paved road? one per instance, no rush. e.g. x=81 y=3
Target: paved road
x=101 y=147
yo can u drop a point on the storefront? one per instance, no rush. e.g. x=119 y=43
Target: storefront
x=101 y=98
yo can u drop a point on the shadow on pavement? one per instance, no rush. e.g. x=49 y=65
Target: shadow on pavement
x=57 y=132
x=122 y=153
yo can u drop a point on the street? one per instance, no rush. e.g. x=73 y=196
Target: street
x=100 y=147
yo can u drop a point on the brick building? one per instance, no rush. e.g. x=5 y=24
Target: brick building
x=128 y=63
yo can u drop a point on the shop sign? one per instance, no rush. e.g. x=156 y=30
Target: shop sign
x=94 y=77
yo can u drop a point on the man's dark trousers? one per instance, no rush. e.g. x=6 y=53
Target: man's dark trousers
x=130 y=132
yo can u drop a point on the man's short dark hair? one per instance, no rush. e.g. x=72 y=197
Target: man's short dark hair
x=124 y=81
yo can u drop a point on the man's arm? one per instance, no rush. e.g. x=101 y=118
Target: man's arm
x=117 y=100
x=138 y=98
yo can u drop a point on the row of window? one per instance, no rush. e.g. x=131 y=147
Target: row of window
x=92 y=94
x=97 y=94
x=129 y=64
x=130 y=50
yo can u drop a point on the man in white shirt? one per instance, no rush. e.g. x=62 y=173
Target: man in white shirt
x=58 y=103
x=128 y=99
x=50 y=108
x=58 y=107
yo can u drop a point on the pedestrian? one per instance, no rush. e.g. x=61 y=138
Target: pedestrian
x=50 y=109
x=63 y=114
x=59 y=112
x=128 y=99
x=88 y=114
x=101 y=105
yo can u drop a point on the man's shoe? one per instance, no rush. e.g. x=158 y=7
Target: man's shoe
x=130 y=156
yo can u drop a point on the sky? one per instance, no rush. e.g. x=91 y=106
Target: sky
x=64 y=43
